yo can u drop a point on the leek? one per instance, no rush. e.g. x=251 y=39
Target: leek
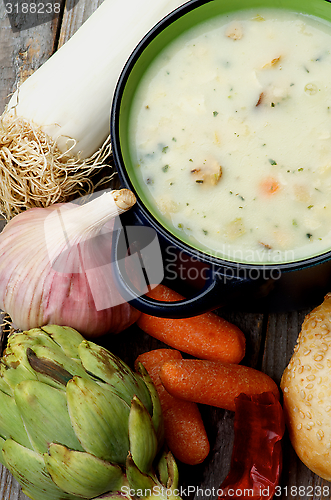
x=54 y=132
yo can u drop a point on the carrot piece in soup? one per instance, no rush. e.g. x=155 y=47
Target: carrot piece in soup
x=269 y=186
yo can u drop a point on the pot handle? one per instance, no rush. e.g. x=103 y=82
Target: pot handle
x=219 y=290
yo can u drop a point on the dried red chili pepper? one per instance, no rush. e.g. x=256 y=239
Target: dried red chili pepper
x=257 y=451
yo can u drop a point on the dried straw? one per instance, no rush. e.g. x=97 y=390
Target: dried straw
x=35 y=173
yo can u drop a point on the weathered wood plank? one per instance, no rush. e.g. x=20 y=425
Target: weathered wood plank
x=22 y=52
x=9 y=488
x=281 y=334
x=252 y=324
x=74 y=16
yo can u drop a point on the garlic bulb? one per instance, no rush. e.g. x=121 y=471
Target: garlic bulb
x=54 y=267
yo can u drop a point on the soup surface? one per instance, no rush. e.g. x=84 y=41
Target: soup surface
x=230 y=134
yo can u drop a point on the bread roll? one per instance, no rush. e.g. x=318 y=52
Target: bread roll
x=306 y=386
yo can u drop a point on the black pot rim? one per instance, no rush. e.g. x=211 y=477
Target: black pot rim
x=125 y=180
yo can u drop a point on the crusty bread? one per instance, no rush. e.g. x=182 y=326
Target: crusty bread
x=306 y=386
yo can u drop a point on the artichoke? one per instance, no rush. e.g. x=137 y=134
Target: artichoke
x=76 y=422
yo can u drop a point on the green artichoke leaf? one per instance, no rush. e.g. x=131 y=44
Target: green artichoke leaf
x=2 y=460
x=110 y=369
x=168 y=473
x=66 y=337
x=4 y=386
x=11 y=423
x=99 y=418
x=140 y=484
x=53 y=366
x=15 y=366
x=157 y=414
x=35 y=336
x=142 y=436
x=28 y=468
x=162 y=468
x=81 y=473
x=37 y=357
x=45 y=414
x=173 y=478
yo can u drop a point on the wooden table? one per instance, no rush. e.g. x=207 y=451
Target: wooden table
x=270 y=337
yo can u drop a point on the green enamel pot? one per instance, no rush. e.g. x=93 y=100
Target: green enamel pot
x=215 y=281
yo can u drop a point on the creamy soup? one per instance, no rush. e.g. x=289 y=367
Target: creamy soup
x=231 y=136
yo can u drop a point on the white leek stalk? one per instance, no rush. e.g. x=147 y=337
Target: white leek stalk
x=58 y=119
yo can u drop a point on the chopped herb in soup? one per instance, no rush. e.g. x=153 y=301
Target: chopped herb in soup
x=231 y=136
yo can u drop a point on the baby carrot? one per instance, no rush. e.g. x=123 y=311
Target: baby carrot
x=213 y=383
x=183 y=426
x=206 y=336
